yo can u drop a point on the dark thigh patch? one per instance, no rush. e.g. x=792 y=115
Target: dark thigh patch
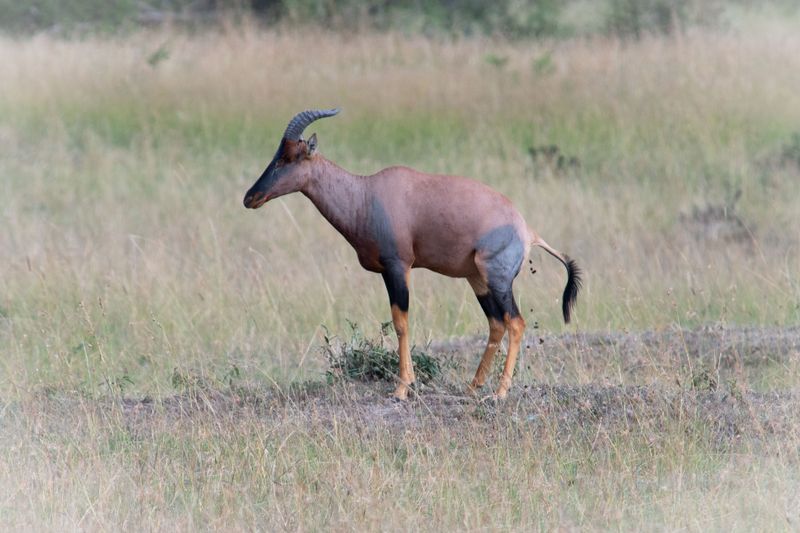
x=501 y=251
x=395 y=278
x=497 y=305
x=377 y=244
x=382 y=233
x=491 y=307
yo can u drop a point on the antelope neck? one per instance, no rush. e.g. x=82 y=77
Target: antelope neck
x=341 y=197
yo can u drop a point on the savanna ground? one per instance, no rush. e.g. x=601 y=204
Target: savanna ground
x=161 y=364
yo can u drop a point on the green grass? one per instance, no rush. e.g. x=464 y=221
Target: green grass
x=123 y=186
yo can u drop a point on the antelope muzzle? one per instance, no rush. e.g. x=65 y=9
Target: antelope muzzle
x=255 y=200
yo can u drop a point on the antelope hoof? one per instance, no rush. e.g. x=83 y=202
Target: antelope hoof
x=491 y=399
x=502 y=389
x=500 y=395
x=473 y=389
x=401 y=392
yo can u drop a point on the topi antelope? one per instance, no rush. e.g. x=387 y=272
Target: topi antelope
x=399 y=219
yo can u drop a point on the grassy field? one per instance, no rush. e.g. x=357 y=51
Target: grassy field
x=151 y=328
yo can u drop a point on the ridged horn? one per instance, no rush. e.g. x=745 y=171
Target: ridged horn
x=301 y=121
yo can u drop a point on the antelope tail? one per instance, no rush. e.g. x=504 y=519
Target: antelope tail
x=574 y=280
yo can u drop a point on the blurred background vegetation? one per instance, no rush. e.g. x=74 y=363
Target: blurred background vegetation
x=656 y=142
x=516 y=19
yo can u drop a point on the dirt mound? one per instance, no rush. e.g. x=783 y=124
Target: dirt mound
x=700 y=403
x=559 y=409
x=712 y=353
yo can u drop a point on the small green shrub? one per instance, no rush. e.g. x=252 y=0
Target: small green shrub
x=496 y=60
x=361 y=359
x=160 y=55
x=790 y=154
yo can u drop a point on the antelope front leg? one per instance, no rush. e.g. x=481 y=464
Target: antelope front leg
x=400 y=320
x=396 y=279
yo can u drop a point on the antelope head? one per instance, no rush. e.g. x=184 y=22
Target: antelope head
x=291 y=166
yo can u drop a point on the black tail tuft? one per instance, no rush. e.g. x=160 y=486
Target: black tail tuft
x=574 y=283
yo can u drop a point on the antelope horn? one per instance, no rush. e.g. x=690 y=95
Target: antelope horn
x=301 y=121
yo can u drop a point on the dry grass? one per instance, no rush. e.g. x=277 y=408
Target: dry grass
x=127 y=259
x=675 y=456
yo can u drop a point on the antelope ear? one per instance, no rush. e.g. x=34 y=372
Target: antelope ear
x=311 y=144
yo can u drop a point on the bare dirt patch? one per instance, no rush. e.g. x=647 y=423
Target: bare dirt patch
x=560 y=409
